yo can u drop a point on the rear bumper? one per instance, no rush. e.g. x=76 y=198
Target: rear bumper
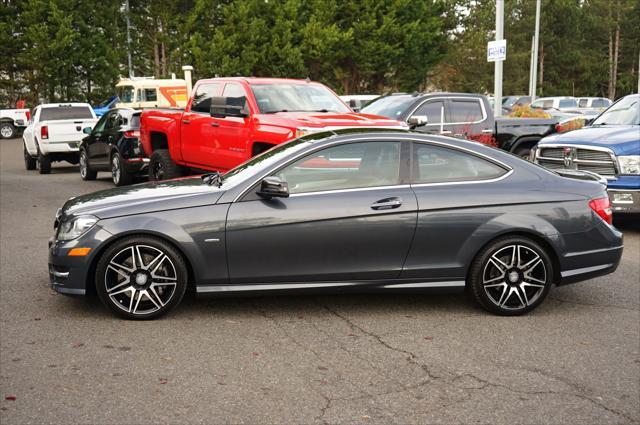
x=136 y=165
x=59 y=147
x=576 y=266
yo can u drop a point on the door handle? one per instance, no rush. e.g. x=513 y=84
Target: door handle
x=186 y=122
x=487 y=131
x=214 y=124
x=386 y=204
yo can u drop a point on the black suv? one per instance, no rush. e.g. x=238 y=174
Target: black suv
x=113 y=145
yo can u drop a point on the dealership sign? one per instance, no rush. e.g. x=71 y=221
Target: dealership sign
x=496 y=50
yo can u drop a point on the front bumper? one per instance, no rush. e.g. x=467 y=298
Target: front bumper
x=70 y=275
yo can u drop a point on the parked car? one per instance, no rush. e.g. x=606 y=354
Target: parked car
x=229 y=120
x=561 y=103
x=510 y=102
x=148 y=92
x=105 y=106
x=358 y=101
x=610 y=147
x=54 y=134
x=463 y=115
x=340 y=210
x=13 y=122
x=113 y=145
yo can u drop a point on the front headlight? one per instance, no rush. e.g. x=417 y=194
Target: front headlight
x=76 y=227
x=629 y=164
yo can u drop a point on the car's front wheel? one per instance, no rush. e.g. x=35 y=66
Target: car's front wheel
x=86 y=173
x=511 y=276
x=141 y=277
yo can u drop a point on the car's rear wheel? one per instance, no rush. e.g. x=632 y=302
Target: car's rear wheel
x=86 y=173
x=119 y=175
x=141 y=278
x=7 y=130
x=29 y=161
x=511 y=276
x=44 y=164
x=162 y=167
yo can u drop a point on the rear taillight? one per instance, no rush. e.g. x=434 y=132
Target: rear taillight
x=132 y=134
x=44 y=132
x=28 y=114
x=602 y=207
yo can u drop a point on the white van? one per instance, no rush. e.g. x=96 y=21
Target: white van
x=147 y=92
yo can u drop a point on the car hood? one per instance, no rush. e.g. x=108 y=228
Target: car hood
x=143 y=198
x=328 y=119
x=621 y=139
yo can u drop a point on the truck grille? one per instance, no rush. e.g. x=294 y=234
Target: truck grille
x=573 y=158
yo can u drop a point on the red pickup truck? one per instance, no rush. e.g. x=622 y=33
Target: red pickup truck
x=229 y=120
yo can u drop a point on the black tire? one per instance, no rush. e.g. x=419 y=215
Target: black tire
x=86 y=173
x=131 y=297
x=518 y=290
x=29 y=161
x=119 y=174
x=523 y=152
x=44 y=164
x=162 y=167
x=7 y=130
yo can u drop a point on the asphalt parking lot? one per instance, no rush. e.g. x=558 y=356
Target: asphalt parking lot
x=302 y=359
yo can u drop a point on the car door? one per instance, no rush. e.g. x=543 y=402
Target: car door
x=198 y=129
x=457 y=194
x=232 y=133
x=98 y=155
x=350 y=216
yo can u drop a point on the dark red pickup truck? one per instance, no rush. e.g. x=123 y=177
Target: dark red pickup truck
x=229 y=120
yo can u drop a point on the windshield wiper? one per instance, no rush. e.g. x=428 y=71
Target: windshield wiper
x=213 y=178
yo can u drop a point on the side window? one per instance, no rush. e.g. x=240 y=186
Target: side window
x=465 y=111
x=349 y=166
x=434 y=164
x=537 y=104
x=233 y=90
x=582 y=103
x=150 y=95
x=112 y=121
x=202 y=97
x=100 y=124
x=433 y=110
x=139 y=97
x=599 y=103
x=547 y=104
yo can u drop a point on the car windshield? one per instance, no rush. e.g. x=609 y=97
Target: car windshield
x=389 y=106
x=626 y=111
x=125 y=93
x=509 y=101
x=257 y=163
x=273 y=98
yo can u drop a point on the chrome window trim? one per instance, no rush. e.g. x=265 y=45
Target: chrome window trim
x=204 y=289
x=470 y=99
x=496 y=179
x=387 y=138
x=354 y=189
x=614 y=159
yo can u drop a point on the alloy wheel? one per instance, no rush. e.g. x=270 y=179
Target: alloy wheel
x=83 y=165
x=140 y=280
x=158 y=171
x=514 y=277
x=6 y=132
x=116 y=171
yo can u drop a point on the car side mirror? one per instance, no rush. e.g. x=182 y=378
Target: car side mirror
x=87 y=130
x=417 y=121
x=222 y=107
x=273 y=187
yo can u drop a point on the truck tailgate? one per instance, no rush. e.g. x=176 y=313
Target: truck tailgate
x=66 y=131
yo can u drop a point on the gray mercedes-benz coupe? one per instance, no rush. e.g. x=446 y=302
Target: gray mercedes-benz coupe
x=352 y=209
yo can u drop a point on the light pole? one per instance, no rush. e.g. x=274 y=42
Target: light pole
x=497 y=86
x=126 y=6
x=536 y=38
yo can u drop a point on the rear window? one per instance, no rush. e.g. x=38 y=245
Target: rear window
x=600 y=103
x=65 y=113
x=466 y=111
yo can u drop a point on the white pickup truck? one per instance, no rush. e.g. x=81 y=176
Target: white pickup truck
x=13 y=122
x=54 y=134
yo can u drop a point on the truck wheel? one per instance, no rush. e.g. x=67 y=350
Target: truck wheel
x=86 y=173
x=162 y=167
x=523 y=152
x=29 y=161
x=44 y=164
x=7 y=130
x=119 y=175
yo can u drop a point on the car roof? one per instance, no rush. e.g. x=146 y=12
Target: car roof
x=260 y=80
x=63 y=104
